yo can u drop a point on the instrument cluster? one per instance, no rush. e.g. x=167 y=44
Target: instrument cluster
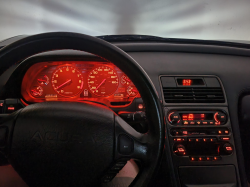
x=78 y=81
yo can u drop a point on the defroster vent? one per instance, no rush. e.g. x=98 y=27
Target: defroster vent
x=210 y=92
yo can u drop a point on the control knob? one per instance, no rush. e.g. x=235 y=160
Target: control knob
x=174 y=117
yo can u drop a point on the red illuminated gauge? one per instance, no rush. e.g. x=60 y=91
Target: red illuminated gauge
x=43 y=80
x=132 y=91
x=125 y=80
x=36 y=91
x=103 y=81
x=67 y=81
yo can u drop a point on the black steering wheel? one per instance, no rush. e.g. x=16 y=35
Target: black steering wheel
x=76 y=144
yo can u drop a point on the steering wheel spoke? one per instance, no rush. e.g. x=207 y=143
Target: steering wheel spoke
x=130 y=144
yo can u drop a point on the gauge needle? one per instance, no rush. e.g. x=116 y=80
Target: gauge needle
x=68 y=81
x=34 y=91
x=41 y=80
x=100 y=84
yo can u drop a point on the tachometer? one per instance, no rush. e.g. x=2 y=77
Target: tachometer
x=67 y=81
x=103 y=81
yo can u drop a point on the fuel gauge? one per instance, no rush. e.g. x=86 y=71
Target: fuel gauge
x=36 y=91
x=132 y=90
x=43 y=80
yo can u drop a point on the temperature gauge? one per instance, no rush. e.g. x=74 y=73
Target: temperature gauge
x=125 y=80
x=43 y=80
x=36 y=91
x=132 y=91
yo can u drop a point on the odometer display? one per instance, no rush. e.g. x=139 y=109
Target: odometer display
x=103 y=81
x=67 y=81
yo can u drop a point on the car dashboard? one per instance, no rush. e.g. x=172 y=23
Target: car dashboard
x=203 y=87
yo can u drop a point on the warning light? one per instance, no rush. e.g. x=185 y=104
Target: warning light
x=11 y=108
x=186 y=82
x=140 y=106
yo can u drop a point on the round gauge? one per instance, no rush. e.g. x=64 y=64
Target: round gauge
x=43 y=80
x=132 y=91
x=67 y=81
x=125 y=80
x=36 y=91
x=103 y=81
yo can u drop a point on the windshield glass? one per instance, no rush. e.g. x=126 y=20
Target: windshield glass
x=193 y=19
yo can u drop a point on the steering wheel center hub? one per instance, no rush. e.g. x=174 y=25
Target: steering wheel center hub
x=66 y=137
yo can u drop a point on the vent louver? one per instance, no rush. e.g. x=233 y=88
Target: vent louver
x=193 y=95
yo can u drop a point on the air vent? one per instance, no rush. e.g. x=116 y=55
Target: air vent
x=193 y=95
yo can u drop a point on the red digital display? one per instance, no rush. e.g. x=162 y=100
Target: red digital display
x=186 y=82
x=192 y=117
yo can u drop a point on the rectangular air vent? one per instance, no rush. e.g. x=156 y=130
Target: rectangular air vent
x=193 y=95
x=210 y=92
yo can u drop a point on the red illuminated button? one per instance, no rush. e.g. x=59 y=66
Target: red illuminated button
x=226 y=132
x=211 y=123
x=191 y=139
x=206 y=139
x=192 y=123
x=198 y=139
x=204 y=122
x=213 y=139
x=219 y=131
x=202 y=158
x=217 y=123
x=184 y=132
x=198 y=122
x=225 y=138
x=215 y=158
x=209 y=158
x=185 y=122
x=228 y=148
x=192 y=158
x=180 y=150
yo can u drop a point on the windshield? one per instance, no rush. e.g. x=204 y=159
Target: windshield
x=193 y=19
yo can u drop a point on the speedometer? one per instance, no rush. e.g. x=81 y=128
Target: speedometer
x=103 y=81
x=67 y=81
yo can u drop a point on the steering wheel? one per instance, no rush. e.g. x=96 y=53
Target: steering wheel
x=77 y=144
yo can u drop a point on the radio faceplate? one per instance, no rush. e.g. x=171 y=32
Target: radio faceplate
x=197 y=117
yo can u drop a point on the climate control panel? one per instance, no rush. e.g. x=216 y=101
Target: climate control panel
x=197 y=118
x=200 y=134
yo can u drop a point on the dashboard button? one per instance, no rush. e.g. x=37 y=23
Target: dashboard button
x=225 y=138
x=202 y=158
x=191 y=139
x=206 y=139
x=185 y=122
x=215 y=158
x=198 y=122
x=126 y=144
x=211 y=122
x=228 y=149
x=193 y=158
x=213 y=140
x=209 y=158
x=205 y=122
x=192 y=122
x=198 y=139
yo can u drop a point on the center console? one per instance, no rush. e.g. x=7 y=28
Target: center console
x=199 y=134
